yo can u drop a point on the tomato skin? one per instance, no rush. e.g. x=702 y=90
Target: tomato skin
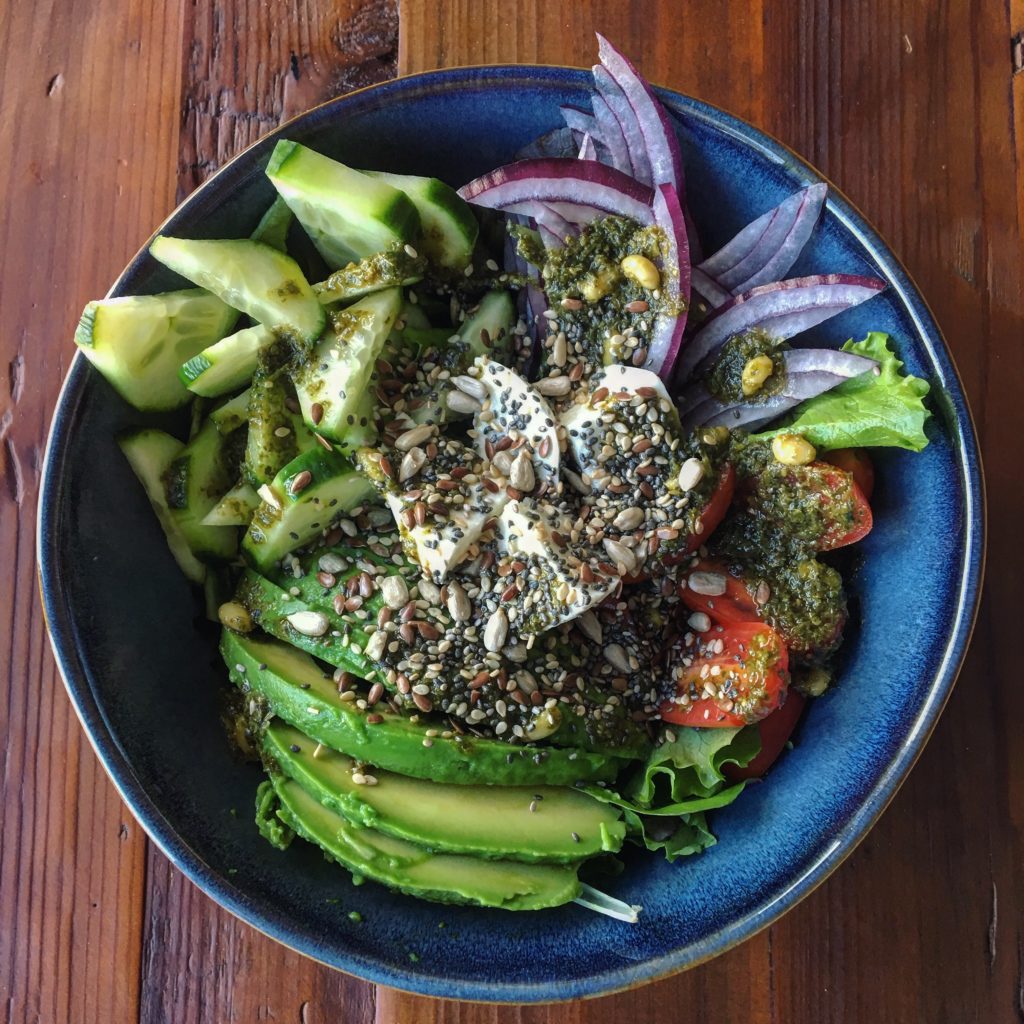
x=759 y=695
x=735 y=606
x=858 y=464
x=775 y=731
x=862 y=517
x=831 y=492
x=714 y=512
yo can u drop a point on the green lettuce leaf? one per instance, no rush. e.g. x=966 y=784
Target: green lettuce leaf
x=691 y=764
x=687 y=836
x=664 y=801
x=870 y=411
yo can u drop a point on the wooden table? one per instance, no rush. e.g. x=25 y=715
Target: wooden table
x=111 y=110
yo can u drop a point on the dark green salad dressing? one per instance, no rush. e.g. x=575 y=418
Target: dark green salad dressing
x=772 y=535
x=586 y=270
x=724 y=379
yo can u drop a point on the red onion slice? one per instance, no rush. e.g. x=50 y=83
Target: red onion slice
x=809 y=372
x=579 y=120
x=826 y=360
x=709 y=288
x=610 y=133
x=660 y=140
x=636 y=147
x=667 y=336
x=783 y=309
x=588 y=151
x=766 y=248
x=562 y=181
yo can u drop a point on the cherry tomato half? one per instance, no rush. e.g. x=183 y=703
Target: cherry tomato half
x=858 y=464
x=775 y=731
x=726 y=676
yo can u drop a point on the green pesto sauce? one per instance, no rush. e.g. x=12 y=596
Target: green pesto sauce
x=381 y=270
x=587 y=269
x=724 y=379
x=761 y=657
x=772 y=537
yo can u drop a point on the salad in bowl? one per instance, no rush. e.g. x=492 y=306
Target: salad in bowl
x=516 y=511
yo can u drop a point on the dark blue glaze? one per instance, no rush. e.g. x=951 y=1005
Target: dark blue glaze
x=144 y=674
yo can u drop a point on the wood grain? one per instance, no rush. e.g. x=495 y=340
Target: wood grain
x=249 y=66
x=88 y=168
x=109 y=111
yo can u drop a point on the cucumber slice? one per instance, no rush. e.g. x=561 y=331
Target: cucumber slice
x=488 y=328
x=337 y=374
x=232 y=414
x=235 y=508
x=251 y=276
x=229 y=364
x=150 y=454
x=362 y=431
x=294 y=518
x=138 y=342
x=392 y=269
x=448 y=228
x=272 y=442
x=195 y=482
x=345 y=213
x=273 y=227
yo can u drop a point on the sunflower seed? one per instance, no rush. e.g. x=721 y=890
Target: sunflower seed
x=691 y=474
x=411 y=438
x=620 y=554
x=470 y=385
x=496 y=631
x=429 y=591
x=395 y=592
x=710 y=584
x=553 y=387
x=332 y=563
x=591 y=626
x=412 y=463
x=459 y=401
x=376 y=644
x=309 y=623
x=521 y=475
x=615 y=655
x=458 y=604
x=628 y=519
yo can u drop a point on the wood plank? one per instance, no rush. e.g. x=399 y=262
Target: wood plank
x=935 y=163
x=247 y=67
x=88 y=170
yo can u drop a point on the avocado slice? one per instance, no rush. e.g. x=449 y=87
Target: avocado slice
x=299 y=692
x=415 y=870
x=270 y=605
x=528 y=823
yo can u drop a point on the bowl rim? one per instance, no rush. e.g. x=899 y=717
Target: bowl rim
x=280 y=926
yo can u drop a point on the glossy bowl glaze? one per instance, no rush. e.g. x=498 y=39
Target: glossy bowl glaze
x=146 y=681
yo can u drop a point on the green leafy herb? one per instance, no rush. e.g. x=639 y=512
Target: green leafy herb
x=664 y=801
x=875 y=410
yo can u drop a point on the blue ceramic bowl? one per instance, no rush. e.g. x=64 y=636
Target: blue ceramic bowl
x=145 y=678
